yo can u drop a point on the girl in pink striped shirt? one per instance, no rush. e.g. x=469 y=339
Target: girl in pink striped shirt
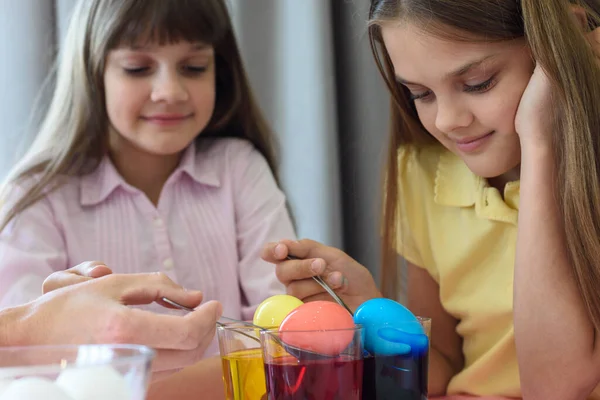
x=153 y=157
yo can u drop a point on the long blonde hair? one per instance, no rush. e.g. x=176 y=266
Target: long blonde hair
x=560 y=47
x=73 y=139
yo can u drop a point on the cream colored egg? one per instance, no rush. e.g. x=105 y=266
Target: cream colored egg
x=34 y=389
x=94 y=383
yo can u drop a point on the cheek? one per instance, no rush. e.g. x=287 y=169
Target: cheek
x=499 y=109
x=124 y=100
x=204 y=96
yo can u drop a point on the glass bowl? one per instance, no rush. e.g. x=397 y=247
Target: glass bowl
x=75 y=372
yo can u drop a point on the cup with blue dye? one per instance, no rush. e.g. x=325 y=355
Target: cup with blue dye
x=396 y=351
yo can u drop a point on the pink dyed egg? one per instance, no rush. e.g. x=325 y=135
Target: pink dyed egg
x=319 y=326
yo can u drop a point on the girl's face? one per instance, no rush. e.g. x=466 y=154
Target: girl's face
x=159 y=98
x=466 y=93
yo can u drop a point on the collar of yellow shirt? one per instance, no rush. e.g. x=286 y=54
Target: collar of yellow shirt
x=457 y=186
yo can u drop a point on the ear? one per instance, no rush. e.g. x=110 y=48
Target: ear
x=580 y=15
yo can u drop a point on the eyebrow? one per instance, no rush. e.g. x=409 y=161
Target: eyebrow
x=453 y=74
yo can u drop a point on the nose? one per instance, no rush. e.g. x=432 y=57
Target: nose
x=169 y=87
x=452 y=114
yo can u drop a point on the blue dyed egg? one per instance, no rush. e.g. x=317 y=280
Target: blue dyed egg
x=390 y=328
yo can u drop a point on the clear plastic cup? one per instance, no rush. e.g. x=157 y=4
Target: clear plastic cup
x=400 y=374
x=241 y=356
x=328 y=365
x=84 y=372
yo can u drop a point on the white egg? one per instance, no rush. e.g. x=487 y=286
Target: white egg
x=4 y=385
x=6 y=374
x=34 y=389
x=94 y=383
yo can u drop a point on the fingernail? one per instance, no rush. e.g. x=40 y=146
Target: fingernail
x=279 y=251
x=92 y=269
x=219 y=310
x=315 y=266
x=335 y=281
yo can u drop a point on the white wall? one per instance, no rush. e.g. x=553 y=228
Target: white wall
x=288 y=49
x=25 y=61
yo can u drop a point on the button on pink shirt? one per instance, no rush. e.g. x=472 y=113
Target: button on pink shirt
x=216 y=211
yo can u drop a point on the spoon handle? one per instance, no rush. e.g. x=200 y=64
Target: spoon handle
x=328 y=289
x=333 y=294
x=177 y=305
x=236 y=321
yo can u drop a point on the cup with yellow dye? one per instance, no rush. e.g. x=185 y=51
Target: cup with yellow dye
x=241 y=352
x=243 y=370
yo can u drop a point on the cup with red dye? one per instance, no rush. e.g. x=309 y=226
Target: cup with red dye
x=316 y=353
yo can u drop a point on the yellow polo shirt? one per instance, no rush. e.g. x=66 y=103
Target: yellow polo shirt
x=463 y=232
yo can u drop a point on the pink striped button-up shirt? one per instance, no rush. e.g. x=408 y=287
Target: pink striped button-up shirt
x=216 y=211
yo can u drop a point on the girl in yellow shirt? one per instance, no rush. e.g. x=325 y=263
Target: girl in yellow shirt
x=492 y=193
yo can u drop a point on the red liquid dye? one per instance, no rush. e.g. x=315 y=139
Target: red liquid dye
x=332 y=379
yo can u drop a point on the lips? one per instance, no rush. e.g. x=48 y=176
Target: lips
x=166 y=119
x=471 y=139
x=473 y=143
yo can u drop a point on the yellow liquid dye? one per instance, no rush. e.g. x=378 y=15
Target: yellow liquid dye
x=244 y=375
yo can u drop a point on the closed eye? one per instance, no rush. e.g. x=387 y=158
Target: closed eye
x=192 y=69
x=424 y=96
x=481 y=87
x=136 y=70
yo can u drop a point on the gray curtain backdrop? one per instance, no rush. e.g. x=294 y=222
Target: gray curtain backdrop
x=311 y=68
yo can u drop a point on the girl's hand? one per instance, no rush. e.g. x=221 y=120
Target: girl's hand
x=80 y=273
x=351 y=281
x=534 y=118
x=97 y=311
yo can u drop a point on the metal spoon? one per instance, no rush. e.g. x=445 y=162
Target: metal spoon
x=328 y=289
x=300 y=354
x=236 y=321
